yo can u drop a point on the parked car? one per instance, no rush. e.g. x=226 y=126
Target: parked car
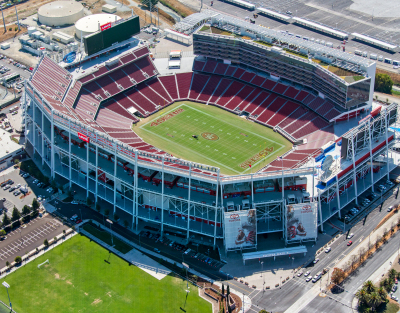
x=6 y=187
x=308 y=279
x=307 y=273
x=349 y=236
x=299 y=274
x=74 y=217
x=35 y=181
x=74 y=202
x=17 y=193
x=349 y=243
x=390 y=208
x=78 y=221
x=327 y=250
x=316 y=261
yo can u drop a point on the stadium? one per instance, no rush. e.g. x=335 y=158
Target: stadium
x=267 y=134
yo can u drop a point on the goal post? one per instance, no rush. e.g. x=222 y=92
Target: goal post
x=47 y=261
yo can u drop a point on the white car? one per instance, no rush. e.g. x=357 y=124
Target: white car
x=307 y=273
x=308 y=279
x=74 y=217
x=390 y=208
x=299 y=274
x=36 y=181
x=327 y=250
x=350 y=236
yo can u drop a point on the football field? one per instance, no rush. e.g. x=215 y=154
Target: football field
x=210 y=135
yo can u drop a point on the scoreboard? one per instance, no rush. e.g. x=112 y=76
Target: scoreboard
x=110 y=34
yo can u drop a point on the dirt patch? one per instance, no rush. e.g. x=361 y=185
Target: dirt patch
x=86 y=294
x=68 y=282
x=96 y=301
x=109 y=294
x=57 y=276
x=178 y=7
x=12 y=31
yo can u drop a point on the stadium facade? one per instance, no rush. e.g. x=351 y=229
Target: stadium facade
x=79 y=124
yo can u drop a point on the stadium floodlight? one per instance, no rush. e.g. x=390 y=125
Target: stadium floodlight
x=8 y=286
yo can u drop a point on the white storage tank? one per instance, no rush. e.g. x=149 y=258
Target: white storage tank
x=60 y=13
x=31 y=30
x=91 y=23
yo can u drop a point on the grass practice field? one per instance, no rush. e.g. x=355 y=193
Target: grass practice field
x=79 y=280
x=223 y=139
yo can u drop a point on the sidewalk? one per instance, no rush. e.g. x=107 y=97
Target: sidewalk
x=316 y=289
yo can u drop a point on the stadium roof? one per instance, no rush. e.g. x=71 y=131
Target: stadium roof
x=274 y=253
x=375 y=41
x=320 y=27
x=312 y=47
x=188 y=24
x=274 y=14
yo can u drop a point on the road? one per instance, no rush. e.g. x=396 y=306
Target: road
x=278 y=300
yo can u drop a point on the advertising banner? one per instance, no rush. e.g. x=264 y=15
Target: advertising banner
x=240 y=229
x=83 y=137
x=301 y=221
x=105 y=26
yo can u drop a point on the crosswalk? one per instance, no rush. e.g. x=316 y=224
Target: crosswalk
x=17 y=246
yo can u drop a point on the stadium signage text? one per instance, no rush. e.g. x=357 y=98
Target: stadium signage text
x=83 y=137
x=167 y=117
x=105 y=26
x=257 y=157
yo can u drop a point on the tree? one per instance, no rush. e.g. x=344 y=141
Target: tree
x=337 y=276
x=6 y=220
x=15 y=215
x=8 y=264
x=374 y=300
x=116 y=217
x=35 y=204
x=98 y=208
x=18 y=260
x=353 y=260
x=26 y=210
x=227 y=291
x=263 y=311
x=392 y=274
x=46 y=243
x=106 y=212
x=382 y=293
x=16 y=161
x=223 y=289
x=383 y=83
x=369 y=286
x=2 y=233
x=55 y=239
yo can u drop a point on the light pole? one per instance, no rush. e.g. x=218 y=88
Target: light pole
x=8 y=286
x=262 y=267
x=80 y=210
x=112 y=240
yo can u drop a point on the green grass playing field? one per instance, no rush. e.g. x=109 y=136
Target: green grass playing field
x=223 y=139
x=79 y=280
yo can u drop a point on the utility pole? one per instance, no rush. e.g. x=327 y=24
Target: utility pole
x=16 y=12
x=4 y=23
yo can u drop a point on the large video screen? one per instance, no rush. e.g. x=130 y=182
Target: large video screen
x=301 y=221
x=240 y=229
x=119 y=31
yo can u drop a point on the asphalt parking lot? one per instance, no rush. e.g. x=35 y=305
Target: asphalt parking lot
x=20 y=201
x=28 y=237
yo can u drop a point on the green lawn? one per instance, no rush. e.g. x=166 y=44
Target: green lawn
x=79 y=280
x=106 y=237
x=225 y=140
